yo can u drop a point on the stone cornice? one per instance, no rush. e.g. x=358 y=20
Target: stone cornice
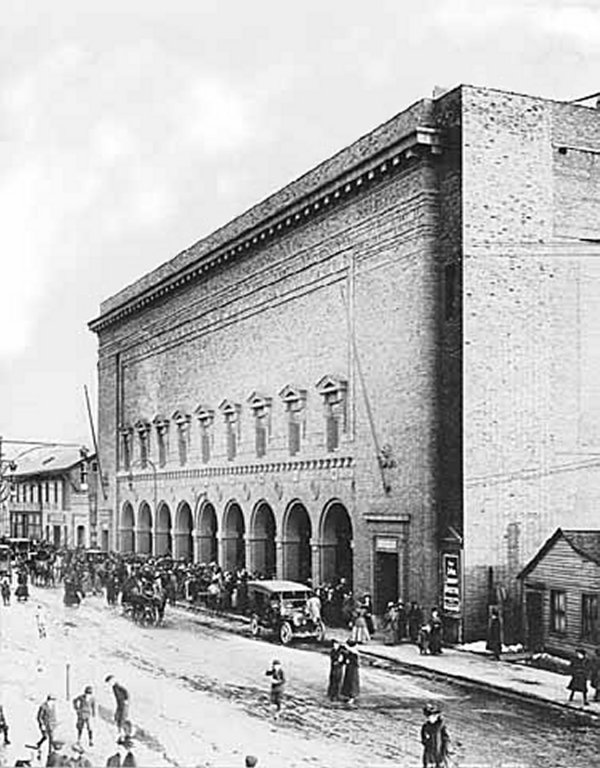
x=394 y=157
x=306 y=465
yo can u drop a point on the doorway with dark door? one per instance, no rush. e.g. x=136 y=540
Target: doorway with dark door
x=386 y=580
x=56 y=535
x=534 y=615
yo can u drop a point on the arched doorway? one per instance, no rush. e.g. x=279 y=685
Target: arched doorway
x=234 y=528
x=164 y=531
x=336 y=543
x=297 y=533
x=208 y=551
x=184 y=524
x=263 y=561
x=144 y=531
x=127 y=529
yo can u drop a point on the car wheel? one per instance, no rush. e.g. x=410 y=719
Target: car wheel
x=320 y=636
x=285 y=633
x=254 y=627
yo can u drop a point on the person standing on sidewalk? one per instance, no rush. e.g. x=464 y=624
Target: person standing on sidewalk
x=434 y=738
x=435 y=641
x=415 y=622
x=5 y=589
x=579 y=676
x=494 y=634
x=595 y=674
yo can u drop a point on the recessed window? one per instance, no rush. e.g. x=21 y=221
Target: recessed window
x=182 y=422
x=231 y=413
x=261 y=410
x=162 y=433
x=558 y=611
x=334 y=393
x=295 y=405
x=589 y=618
x=205 y=416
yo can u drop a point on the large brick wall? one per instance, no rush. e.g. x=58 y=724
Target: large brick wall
x=282 y=315
x=530 y=297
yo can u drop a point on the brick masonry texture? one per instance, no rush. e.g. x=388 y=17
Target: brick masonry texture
x=488 y=406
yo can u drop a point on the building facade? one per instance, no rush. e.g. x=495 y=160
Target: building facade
x=53 y=497
x=371 y=374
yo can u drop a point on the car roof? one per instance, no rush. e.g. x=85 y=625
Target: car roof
x=276 y=585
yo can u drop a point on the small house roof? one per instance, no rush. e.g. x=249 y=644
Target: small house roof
x=48 y=460
x=585 y=542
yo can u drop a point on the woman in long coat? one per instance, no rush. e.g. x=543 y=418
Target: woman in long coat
x=336 y=670
x=494 y=635
x=435 y=641
x=351 y=681
x=579 y=675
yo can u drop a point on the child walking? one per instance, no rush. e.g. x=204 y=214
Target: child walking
x=277 y=682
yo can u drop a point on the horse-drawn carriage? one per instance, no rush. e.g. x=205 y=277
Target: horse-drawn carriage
x=142 y=604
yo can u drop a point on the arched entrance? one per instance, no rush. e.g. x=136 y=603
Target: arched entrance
x=263 y=561
x=297 y=533
x=207 y=534
x=127 y=539
x=184 y=524
x=234 y=546
x=336 y=543
x=144 y=530
x=164 y=531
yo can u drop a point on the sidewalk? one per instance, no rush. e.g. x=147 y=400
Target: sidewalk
x=509 y=678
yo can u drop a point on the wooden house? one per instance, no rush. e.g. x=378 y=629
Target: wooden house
x=561 y=593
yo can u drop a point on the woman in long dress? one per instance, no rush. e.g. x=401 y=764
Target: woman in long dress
x=336 y=670
x=351 y=681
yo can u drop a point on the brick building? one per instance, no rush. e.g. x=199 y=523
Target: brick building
x=53 y=495
x=384 y=371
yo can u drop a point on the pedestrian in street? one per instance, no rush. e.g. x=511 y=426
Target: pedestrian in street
x=434 y=738
x=494 y=634
x=277 y=683
x=122 y=699
x=424 y=639
x=40 y=621
x=351 y=682
x=22 y=590
x=367 y=606
x=4 y=726
x=400 y=624
x=85 y=710
x=5 y=589
x=389 y=624
x=336 y=670
x=250 y=761
x=436 y=637
x=595 y=674
x=579 y=676
x=46 y=718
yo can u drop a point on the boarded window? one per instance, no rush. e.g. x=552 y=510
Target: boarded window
x=231 y=442
x=205 y=444
x=293 y=436
x=162 y=447
x=333 y=434
x=144 y=450
x=182 y=444
x=589 y=617
x=261 y=437
x=558 y=611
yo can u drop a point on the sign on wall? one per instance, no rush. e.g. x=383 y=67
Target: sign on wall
x=386 y=544
x=451 y=598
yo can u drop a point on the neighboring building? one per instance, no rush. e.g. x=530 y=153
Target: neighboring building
x=385 y=371
x=561 y=593
x=53 y=496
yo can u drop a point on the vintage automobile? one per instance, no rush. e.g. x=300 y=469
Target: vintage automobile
x=280 y=607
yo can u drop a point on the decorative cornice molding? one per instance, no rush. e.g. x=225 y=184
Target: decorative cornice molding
x=422 y=140
x=277 y=467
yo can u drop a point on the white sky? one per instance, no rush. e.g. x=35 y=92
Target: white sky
x=129 y=129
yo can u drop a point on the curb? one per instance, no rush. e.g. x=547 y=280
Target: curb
x=418 y=670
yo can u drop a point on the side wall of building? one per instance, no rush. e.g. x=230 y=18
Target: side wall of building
x=531 y=365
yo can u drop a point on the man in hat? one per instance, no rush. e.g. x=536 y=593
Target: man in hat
x=4 y=726
x=434 y=738
x=46 y=718
x=121 y=695
x=85 y=709
x=277 y=683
